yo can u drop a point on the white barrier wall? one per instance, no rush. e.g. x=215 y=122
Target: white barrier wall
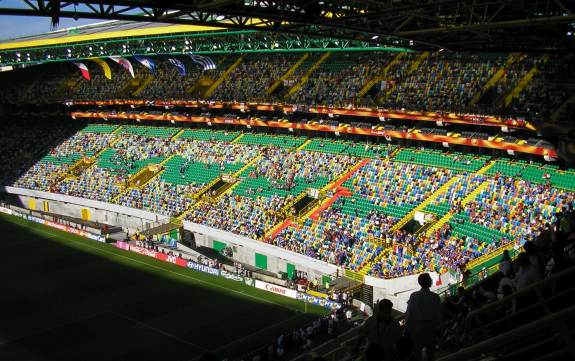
x=397 y=290
x=113 y=214
x=246 y=248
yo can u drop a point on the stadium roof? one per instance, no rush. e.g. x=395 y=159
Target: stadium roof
x=103 y=30
x=488 y=25
x=128 y=38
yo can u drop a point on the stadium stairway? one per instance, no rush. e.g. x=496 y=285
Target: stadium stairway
x=413 y=67
x=208 y=93
x=287 y=74
x=336 y=187
x=177 y=135
x=68 y=84
x=487 y=260
x=304 y=144
x=495 y=78
x=86 y=163
x=447 y=217
x=367 y=86
x=111 y=144
x=132 y=85
x=486 y=167
x=306 y=76
x=237 y=139
x=160 y=169
x=277 y=229
x=142 y=177
x=200 y=192
x=147 y=80
x=238 y=173
x=80 y=166
x=424 y=204
x=471 y=196
x=523 y=83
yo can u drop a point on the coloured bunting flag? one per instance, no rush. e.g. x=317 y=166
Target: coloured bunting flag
x=105 y=67
x=204 y=61
x=84 y=69
x=179 y=65
x=125 y=63
x=147 y=63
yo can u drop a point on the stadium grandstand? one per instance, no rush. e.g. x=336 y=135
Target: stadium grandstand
x=250 y=180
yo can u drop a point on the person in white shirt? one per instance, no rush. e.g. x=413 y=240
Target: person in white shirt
x=505 y=264
x=527 y=273
x=424 y=317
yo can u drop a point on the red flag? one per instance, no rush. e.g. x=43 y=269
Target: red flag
x=84 y=69
x=125 y=63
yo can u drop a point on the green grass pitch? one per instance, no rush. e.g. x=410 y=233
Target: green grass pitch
x=64 y=297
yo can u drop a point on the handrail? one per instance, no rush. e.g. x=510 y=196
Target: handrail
x=488 y=256
x=556 y=320
x=485 y=273
x=537 y=285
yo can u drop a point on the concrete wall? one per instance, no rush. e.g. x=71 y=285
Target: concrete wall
x=397 y=290
x=127 y=218
x=245 y=249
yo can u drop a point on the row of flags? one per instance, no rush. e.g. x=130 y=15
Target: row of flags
x=205 y=62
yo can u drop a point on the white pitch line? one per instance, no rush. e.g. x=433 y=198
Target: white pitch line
x=165 y=333
x=254 y=333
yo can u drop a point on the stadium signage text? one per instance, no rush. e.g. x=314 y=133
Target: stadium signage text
x=5 y=210
x=269 y=287
x=279 y=290
x=61 y=227
x=203 y=268
x=319 y=301
x=231 y=276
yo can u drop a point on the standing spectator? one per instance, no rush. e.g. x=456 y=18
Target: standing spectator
x=527 y=273
x=382 y=329
x=505 y=264
x=424 y=317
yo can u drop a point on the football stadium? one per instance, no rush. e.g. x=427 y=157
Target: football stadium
x=306 y=180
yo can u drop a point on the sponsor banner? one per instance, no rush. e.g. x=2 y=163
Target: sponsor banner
x=123 y=245
x=398 y=134
x=5 y=210
x=282 y=291
x=176 y=260
x=61 y=227
x=144 y=251
x=203 y=268
x=317 y=294
x=319 y=301
x=231 y=276
x=483 y=120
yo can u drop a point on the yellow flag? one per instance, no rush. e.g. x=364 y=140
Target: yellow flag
x=105 y=67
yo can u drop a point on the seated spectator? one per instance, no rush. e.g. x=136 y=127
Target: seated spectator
x=382 y=329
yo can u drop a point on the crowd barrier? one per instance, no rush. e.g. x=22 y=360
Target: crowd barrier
x=62 y=227
x=266 y=286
